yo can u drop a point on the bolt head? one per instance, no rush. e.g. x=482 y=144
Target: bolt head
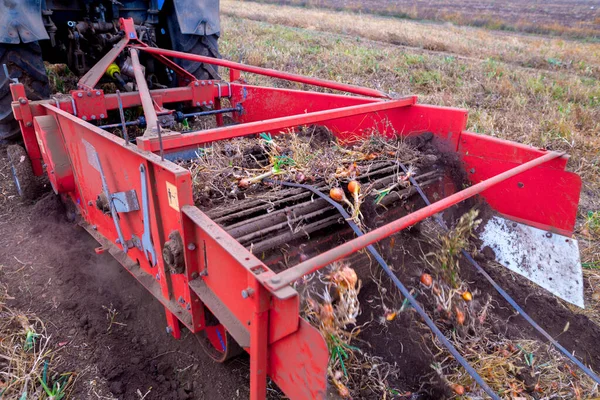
x=194 y=275
x=94 y=227
x=93 y=117
x=97 y=93
x=169 y=330
x=211 y=102
x=191 y=247
x=28 y=123
x=102 y=116
x=80 y=95
x=245 y=294
x=203 y=83
x=210 y=82
x=196 y=84
x=84 y=118
x=204 y=103
x=197 y=104
x=23 y=101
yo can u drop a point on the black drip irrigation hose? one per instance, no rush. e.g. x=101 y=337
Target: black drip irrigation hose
x=470 y=370
x=502 y=292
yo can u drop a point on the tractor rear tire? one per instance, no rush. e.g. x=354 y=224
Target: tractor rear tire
x=25 y=181
x=24 y=62
x=194 y=44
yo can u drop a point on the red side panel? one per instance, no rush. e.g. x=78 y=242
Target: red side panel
x=545 y=197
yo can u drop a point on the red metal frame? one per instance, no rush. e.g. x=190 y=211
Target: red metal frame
x=511 y=177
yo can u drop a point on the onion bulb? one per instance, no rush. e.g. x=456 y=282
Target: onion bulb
x=460 y=316
x=337 y=194
x=426 y=280
x=458 y=389
x=354 y=187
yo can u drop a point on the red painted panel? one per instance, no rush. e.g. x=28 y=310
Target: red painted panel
x=298 y=364
x=545 y=197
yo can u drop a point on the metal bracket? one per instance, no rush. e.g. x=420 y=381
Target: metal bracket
x=125 y=201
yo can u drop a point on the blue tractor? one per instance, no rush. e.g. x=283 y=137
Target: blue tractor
x=79 y=32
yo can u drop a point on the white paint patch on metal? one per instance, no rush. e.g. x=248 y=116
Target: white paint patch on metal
x=550 y=260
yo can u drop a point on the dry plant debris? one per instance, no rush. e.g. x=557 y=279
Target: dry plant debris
x=331 y=304
x=27 y=359
x=234 y=169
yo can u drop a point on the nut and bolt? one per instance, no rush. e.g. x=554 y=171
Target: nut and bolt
x=211 y=102
x=472 y=170
x=84 y=118
x=203 y=83
x=97 y=93
x=247 y=293
x=204 y=103
x=180 y=299
x=196 y=83
x=188 y=306
x=89 y=94
x=28 y=123
x=93 y=116
x=80 y=95
x=210 y=82
x=94 y=227
x=191 y=247
x=102 y=116
x=22 y=101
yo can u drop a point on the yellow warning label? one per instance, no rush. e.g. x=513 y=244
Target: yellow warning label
x=172 y=196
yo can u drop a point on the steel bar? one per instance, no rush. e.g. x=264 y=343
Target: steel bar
x=147 y=103
x=214 y=112
x=230 y=132
x=290 y=275
x=267 y=72
x=93 y=76
x=122 y=116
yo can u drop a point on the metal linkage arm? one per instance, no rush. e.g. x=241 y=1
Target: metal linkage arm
x=147 y=103
x=266 y=72
x=292 y=274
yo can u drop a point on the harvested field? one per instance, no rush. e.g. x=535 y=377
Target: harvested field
x=576 y=18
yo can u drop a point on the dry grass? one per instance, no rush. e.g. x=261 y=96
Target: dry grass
x=479 y=44
x=26 y=358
